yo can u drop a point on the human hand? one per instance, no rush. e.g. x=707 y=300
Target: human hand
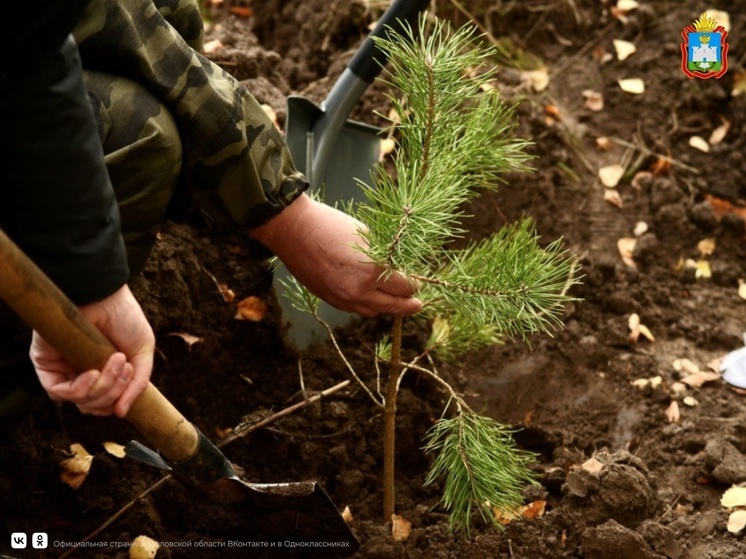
x=125 y=375
x=316 y=243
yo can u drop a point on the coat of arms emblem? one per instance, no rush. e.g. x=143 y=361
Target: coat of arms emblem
x=704 y=52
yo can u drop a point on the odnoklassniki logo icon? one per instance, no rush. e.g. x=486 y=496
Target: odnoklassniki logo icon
x=704 y=52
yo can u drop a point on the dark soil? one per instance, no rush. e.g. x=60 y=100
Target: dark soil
x=658 y=493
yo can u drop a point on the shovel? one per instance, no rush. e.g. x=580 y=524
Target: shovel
x=282 y=512
x=317 y=135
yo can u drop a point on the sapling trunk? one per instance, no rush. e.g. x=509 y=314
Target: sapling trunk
x=389 y=421
x=455 y=140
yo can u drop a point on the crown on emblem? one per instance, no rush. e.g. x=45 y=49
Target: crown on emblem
x=705 y=24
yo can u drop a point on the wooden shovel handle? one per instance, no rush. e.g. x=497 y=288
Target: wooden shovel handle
x=40 y=303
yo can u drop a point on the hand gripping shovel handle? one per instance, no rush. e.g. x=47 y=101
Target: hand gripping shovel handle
x=369 y=59
x=33 y=296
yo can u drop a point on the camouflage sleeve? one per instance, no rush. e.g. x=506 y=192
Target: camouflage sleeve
x=234 y=160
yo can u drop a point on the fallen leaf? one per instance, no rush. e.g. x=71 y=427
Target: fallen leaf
x=706 y=246
x=627 y=5
x=624 y=49
x=400 y=527
x=528 y=417
x=537 y=79
x=115 y=449
x=222 y=432
x=703 y=269
x=603 y=143
x=610 y=175
x=76 y=468
x=626 y=247
x=592 y=466
x=678 y=388
x=741 y=288
x=387 y=147
x=640 y=228
x=632 y=85
x=228 y=295
x=652 y=382
x=734 y=497
x=690 y=401
x=611 y=195
x=241 y=11
x=672 y=412
x=685 y=366
x=739 y=84
x=696 y=380
x=737 y=521
x=143 y=547
x=252 y=308
x=721 y=207
x=533 y=510
x=699 y=143
x=212 y=46
x=661 y=166
x=641 y=179
x=719 y=134
x=723 y=18
x=347 y=515
x=594 y=100
x=188 y=338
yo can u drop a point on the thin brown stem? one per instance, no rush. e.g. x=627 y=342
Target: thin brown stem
x=389 y=420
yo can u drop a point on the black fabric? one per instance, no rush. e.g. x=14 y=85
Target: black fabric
x=33 y=29
x=56 y=201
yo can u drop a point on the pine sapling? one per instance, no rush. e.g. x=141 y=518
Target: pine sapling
x=456 y=139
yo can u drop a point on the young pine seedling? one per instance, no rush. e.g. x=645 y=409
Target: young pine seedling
x=456 y=138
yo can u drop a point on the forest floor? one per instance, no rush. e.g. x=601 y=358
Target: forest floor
x=665 y=450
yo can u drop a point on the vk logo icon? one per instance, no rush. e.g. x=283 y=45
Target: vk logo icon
x=18 y=540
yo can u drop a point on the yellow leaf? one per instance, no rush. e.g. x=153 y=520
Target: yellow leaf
x=699 y=143
x=632 y=85
x=737 y=521
x=400 y=527
x=645 y=331
x=252 y=308
x=76 y=468
x=703 y=269
x=627 y=5
x=143 y=547
x=537 y=79
x=734 y=497
x=610 y=175
x=115 y=449
x=624 y=49
x=640 y=228
x=690 y=401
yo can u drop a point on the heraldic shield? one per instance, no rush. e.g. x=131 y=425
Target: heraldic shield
x=704 y=52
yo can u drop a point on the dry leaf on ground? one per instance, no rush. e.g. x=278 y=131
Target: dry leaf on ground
x=640 y=228
x=115 y=449
x=533 y=509
x=685 y=366
x=400 y=527
x=347 y=515
x=703 y=269
x=652 y=382
x=706 y=246
x=188 y=338
x=672 y=412
x=626 y=247
x=610 y=175
x=226 y=293
x=719 y=134
x=632 y=85
x=734 y=497
x=76 y=468
x=612 y=196
x=252 y=308
x=537 y=79
x=696 y=380
x=638 y=329
x=690 y=401
x=143 y=547
x=594 y=100
x=592 y=466
x=698 y=142
x=603 y=143
x=741 y=288
x=737 y=521
x=624 y=49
